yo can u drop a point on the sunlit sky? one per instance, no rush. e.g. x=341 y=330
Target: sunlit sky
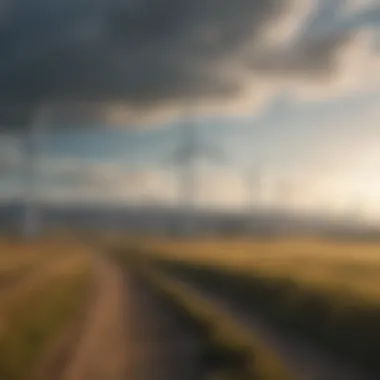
x=317 y=151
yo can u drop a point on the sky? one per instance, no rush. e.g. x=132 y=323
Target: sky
x=286 y=93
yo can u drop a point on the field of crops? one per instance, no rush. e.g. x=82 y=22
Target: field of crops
x=326 y=291
x=42 y=285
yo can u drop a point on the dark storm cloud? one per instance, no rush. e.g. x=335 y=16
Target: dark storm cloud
x=143 y=53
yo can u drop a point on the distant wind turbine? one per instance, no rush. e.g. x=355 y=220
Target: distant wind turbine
x=254 y=183
x=262 y=190
x=31 y=222
x=191 y=147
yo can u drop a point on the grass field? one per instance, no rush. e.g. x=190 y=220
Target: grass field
x=42 y=285
x=333 y=266
x=230 y=351
x=327 y=291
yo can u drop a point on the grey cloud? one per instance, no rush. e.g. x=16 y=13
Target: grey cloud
x=10 y=155
x=371 y=15
x=144 y=54
x=316 y=57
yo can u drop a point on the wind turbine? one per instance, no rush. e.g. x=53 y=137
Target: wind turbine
x=191 y=147
x=261 y=190
x=26 y=121
x=254 y=188
x=31 y=222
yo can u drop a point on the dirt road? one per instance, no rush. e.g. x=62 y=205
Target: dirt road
x=130 y=335
x=101 y=351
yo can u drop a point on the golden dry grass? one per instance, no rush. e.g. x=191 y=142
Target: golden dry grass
x=327 y=291
x=336 y=266
x=43 y=285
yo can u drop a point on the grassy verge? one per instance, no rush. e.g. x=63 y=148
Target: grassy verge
x=326 y=292
x=231 y=351
x=33 y=314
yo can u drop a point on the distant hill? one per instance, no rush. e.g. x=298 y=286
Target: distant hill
x=168 y=220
